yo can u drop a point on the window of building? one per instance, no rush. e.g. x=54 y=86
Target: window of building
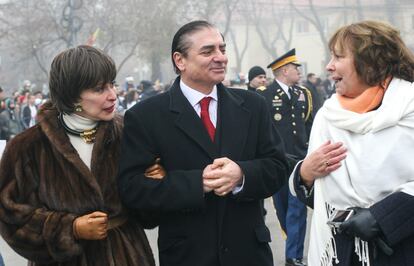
x=304 y=68
x=303 y=26
x=325 y=24
x=412 y=22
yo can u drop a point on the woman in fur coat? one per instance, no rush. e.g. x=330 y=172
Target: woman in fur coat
x=59 y=203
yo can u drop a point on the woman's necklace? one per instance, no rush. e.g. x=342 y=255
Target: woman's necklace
x=88 y=135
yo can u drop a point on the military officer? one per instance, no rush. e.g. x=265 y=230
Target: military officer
x=292 y=111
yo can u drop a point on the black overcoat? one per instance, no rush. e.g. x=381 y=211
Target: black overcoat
x=196 y=228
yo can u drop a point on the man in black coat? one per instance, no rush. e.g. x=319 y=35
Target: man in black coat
x=291 y=108
x=217 y=168
x=256 y=77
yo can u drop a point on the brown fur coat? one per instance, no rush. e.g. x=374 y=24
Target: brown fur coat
x=44 y=186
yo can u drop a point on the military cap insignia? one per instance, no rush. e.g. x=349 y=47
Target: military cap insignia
x=287 y=58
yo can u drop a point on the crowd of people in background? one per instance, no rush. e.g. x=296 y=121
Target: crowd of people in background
x=18 y=109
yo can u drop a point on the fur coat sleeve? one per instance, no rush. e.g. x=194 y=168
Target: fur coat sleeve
x=31 y=228
x=44 y=186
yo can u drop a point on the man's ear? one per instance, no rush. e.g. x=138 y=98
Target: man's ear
x=285 y=69
x=179 y=60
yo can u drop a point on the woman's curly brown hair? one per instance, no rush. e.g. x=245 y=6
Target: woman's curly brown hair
x=378 y=50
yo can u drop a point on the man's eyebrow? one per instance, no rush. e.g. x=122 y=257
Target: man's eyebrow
x=207 y=47
x=211 y=46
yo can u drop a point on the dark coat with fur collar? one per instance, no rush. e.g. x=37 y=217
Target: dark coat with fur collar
x=44 y=186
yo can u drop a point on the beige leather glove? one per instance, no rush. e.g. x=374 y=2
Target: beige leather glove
x=155 y=171
x=92 y=226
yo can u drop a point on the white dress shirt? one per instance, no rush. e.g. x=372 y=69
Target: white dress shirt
x=194 y=97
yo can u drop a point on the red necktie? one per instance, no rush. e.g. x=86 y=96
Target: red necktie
x=205 y=117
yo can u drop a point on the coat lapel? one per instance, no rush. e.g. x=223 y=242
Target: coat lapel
x=233 y=121
x=294 y=97
x=280 y=92
x=188 y=120
x=60 y=141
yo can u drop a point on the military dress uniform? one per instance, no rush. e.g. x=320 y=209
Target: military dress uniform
x=292 y=116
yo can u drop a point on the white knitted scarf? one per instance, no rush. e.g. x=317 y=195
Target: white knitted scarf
x=380 y=144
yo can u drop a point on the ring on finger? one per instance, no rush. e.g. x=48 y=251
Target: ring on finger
x=327 y=163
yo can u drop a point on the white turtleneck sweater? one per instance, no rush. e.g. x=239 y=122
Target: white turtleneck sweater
x=80 y=123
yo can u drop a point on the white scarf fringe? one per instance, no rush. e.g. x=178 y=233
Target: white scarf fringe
x=362 y=250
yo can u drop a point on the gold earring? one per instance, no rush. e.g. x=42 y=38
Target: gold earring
x=78 y=108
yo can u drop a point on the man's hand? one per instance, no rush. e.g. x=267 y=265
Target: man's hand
x=206 y=187
x=222 y=176
x=91 y=226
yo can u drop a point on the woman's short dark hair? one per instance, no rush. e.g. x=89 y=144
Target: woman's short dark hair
x=378 y=51
x=75 y=70
x=181 y=42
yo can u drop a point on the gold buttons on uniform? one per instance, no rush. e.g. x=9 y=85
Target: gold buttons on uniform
x=293 y=123
x=294 y=132
x=277 y=117
x=293 y=115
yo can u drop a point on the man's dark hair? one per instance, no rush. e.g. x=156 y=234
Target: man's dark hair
x=180 y=41
x=1 y=89
x=310 y=75
x=75 y=70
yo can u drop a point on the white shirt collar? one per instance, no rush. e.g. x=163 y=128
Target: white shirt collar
x=284 y=87
x=194 y=96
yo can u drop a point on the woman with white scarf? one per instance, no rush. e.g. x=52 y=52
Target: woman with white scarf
x=372 y=115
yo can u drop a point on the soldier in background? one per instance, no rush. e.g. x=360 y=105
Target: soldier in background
x=256 y=78
x=292 y=111
x=311 y=83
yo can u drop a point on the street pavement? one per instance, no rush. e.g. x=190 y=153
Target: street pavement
x=277 y=245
